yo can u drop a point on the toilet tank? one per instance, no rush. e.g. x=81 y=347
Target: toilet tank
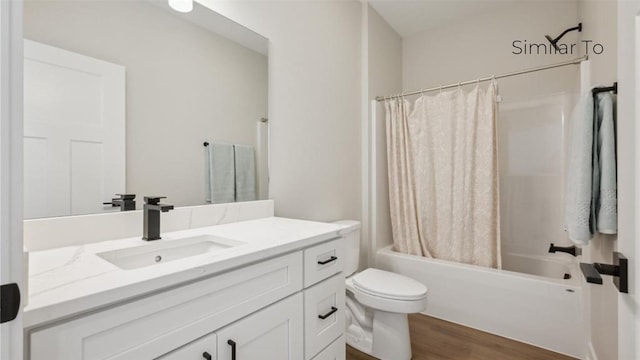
x=351 y=236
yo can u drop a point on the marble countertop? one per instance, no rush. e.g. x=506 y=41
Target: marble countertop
x=71 y=280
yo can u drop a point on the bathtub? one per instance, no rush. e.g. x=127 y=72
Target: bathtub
x=535 y=305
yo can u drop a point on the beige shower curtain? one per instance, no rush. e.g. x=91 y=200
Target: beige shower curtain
x=443 y=176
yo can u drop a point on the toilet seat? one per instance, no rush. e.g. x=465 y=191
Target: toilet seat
x=389 y=285
x=386 y=291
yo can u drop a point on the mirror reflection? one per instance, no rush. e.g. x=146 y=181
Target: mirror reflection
x=174 y=108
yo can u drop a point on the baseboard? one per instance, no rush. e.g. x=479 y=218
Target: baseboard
x=591 y=352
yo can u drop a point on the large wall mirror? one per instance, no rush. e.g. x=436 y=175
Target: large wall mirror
x=132 y=97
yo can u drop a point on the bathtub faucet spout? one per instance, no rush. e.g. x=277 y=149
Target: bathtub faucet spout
x=573 y=250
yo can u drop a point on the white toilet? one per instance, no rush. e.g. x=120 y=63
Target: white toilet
x=377 y=304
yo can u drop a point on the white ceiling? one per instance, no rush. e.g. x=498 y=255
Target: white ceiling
x=216 y=23
x=412 y=17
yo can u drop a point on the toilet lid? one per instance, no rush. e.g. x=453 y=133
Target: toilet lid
x=389 y=285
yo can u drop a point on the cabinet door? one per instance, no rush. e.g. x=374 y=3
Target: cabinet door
x=274 y=333
x=201 y=349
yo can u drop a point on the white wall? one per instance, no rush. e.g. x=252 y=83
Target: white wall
x=184 y=85
x=314 y=102
x=482 y=45
x=628 y=195
x=385 y=77
x=599 y=20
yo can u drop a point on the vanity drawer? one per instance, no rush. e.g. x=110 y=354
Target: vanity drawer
x=196 y=350
x=322 y=261
x=158 y=324
x=336 y=351
x=324 y=312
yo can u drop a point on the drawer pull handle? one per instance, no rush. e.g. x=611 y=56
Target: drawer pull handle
x=233 y=349
x=333 y=310
x=333 y=258
x=206 y=355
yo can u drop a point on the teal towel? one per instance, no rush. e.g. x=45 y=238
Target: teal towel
x=591 y=184
x=219 y=174
x=605 y=202
x=245 y=165
x=579 y=177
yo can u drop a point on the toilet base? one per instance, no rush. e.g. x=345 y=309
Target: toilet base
x=383 y=335
x=391 y=336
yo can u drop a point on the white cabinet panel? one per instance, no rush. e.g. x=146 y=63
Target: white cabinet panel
x=322 y=261
x=201 y=349
x=323 y=314
x=274 y=333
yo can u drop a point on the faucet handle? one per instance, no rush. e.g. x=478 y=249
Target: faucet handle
x=127 y=196
x=153 y=200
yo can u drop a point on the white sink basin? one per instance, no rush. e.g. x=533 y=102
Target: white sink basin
x=162 y=251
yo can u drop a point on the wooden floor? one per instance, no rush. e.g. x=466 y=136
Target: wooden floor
x=435 y=339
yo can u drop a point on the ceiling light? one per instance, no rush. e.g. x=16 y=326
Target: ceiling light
x=184 y=6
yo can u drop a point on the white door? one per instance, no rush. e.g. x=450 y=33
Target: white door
x=74 y=132
x=274 y=333
x=629 y=166
x=10 y=172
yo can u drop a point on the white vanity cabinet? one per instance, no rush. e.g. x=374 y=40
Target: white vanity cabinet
x=261 y=311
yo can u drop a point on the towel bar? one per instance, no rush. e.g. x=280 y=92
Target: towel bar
x=613 y=88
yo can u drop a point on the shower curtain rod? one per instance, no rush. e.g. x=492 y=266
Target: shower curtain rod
x=500 y=76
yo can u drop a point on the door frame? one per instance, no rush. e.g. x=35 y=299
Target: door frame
x=628 y=111
x=11 y=253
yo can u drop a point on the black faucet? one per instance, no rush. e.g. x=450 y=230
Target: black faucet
x=573 y=250
x=152 y=210
x=126 y=202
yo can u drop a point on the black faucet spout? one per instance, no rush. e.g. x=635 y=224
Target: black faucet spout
x=573 y=250
x=159 y=207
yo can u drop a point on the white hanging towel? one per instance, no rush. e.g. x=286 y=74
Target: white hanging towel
x=219 y=174
x=245 y=173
